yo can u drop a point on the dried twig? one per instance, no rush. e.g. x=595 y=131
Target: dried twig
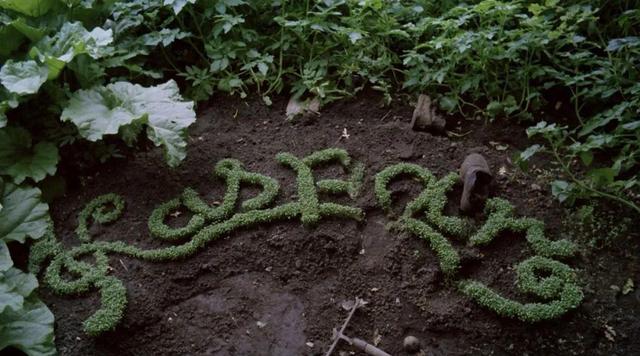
x=358 y=303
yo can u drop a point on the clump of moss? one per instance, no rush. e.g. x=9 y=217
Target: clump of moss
x=308 y=194
x=447 y=255
x=500 y=218
x=159 y=229
x=433 y=201
x=383 y=194
x=113 y=302
x=559 y=287
x=234 y=175
x=423 y=217
x=44 y=249
x=98 y=210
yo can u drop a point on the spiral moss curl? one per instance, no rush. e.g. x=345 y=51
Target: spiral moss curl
x=99 y=210
x=383 y=194
x=88 y=263
x=559 y=287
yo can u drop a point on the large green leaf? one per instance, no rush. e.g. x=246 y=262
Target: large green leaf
x=72 y=39
x=25 y=322
x=28 y=7
x=177 y=5
x=11 y=40
x=32 y=32
x=7 y=101
x=4 y=106
x=24 y=77
x=5 y=257
x=104 y=110
x=23 y=214
x=14 y=287
x=20 y=159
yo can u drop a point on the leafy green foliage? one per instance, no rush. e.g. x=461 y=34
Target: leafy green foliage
x=20 y=159
x=25 y=322
x=124 y=106
x=22 y=215
x=66 y=55
x=28 y=7
x=70 y=41
x=617 y=182
x=23 y=77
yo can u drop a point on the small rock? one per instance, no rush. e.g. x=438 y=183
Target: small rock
x=536 y=187
x=347 y=305
x=411 y=344
x=309 y=344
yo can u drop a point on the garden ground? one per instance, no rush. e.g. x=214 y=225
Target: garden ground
x=278 y=289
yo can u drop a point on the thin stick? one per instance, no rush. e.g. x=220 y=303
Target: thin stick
x=344 y=326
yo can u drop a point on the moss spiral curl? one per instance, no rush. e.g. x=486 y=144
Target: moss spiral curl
x=559 y=287
x=97 y=210
x=207 y=224
x=383 y=194
x=159 y=229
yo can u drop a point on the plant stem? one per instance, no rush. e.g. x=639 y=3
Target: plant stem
x=579 y=182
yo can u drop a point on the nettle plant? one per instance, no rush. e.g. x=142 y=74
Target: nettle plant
x=542 y=275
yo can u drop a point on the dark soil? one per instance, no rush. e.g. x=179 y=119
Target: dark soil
x=278 y=289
